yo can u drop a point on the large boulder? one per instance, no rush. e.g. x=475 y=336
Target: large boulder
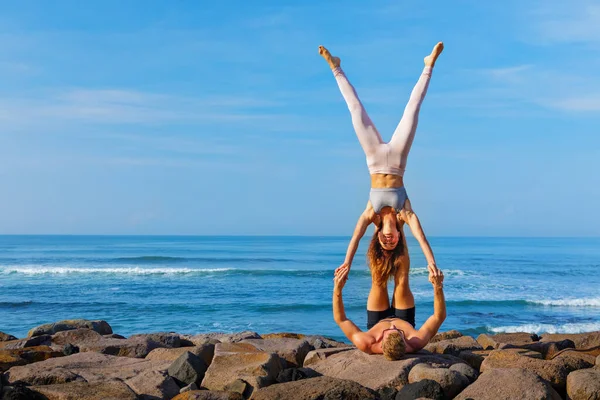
x=321 y=354
x=4 y=337
x=584 y=384
x=110 y=389
x=102 y=327
x=154 y=385
x=581 y=340
x=205 y=352
x=43 y=340
x=137 y=347
x=509 y=384
x=90 y=368
x=475 y=357
x=242 y=361
x=217 y=337
x=574 y=360
x=374 y=371
x=492 y=342
x=188 y=369
x=453 y=346
x=315 y=389
x=167 y=339
x=425 y=388
x=27 y=355
x=452 y=382
x=554 y=373
x=292 y=350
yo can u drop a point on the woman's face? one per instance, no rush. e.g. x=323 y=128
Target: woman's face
x=388 y=236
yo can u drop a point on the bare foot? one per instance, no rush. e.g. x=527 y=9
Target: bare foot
x=437 y=50
x=333 y=62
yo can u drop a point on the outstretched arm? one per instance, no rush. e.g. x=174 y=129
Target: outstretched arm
x=408 y=215
x=359 y=231
x=433 y=323
x=352 y=332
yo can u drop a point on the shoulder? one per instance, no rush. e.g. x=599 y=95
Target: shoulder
x=363 y=341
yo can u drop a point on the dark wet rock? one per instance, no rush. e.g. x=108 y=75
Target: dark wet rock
x=4 y=337
x=465 y=370
x=208 y=395
x=295 y=374
x=188 y=368
x=170 y=340
x=452 y=382
x=425 y=388
x=320 y=388
x=580 y=340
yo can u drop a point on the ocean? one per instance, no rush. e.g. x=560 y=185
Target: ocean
x=283 y=284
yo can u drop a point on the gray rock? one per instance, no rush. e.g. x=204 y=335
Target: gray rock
x=114 y=336
x=509 y=384
x=188 y=368
x=387 y=393
x=584 y=384
x=4 y=337
x=466 y=370
x=425 y=388
x=492 y=342
x=70 y=349
x=205 y=352
x=138 y=347
x=217 y=337
x=321 y=388
x=322 y=354
x=208 y=395
x=452 y=382
x=102 y=327
x=239 y=386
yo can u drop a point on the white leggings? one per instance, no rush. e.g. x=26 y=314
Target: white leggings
x=385 y=158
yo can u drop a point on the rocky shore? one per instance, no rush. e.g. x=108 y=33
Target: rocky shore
x=81 y=359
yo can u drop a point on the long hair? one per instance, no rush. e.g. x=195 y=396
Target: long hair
x=384 y=263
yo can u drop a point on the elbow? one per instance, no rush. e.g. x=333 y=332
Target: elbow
x=441 y=316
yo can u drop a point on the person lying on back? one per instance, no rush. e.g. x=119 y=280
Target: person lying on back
x=391 y=336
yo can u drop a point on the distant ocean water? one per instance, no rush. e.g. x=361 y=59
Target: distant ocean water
x=273 y=284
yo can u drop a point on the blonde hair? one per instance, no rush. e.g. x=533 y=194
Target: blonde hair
x=384 y=263
x=393 y=346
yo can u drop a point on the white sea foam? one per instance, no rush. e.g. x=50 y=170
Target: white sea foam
x=548 y=328
x=592 y=302
x=447 y=272
x=38 y=270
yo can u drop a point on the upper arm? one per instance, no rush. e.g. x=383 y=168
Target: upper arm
x=352 y=332
x=428 y=330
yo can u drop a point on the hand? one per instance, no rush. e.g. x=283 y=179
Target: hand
x=344 y=266
x=340 y=278
x=437 y=280
x=433 y=270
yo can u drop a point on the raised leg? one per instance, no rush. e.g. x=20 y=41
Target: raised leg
x=368 y=136
x=404 y=134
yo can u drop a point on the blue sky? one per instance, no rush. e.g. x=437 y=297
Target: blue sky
x=190 y=117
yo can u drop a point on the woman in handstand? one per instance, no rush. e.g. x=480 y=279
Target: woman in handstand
x=389 y=207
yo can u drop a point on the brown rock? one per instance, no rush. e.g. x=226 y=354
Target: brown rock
x=137 y=347
x=321 y=342
x=453 y=334
x=554 y=373
x=584 y=385
x=102 y=327
x=90 y=367
x=315 y=389
x=208 y=395
x=598 y=361
x=167 y=339
x=207 y=338
x=573 y=360
x=374 y=371
x=77 y=337
x=475 y=358
x=4 y=337
x=452 y=382
x=294 y=351
x=281 y=335
x=205 y=352
x=581 y=340
x=243 y=361
x=321 y=354
x=453 y=346
x=111 y=389
x=42 y=340
x=509 y=384
x=8 y=360
x=154 y=385
x=491 y=342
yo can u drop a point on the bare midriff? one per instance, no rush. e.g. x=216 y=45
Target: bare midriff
x=383 y=181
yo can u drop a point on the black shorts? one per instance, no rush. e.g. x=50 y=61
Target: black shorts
x=373 y=317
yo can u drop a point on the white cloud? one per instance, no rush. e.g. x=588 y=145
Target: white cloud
x=557 y=21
